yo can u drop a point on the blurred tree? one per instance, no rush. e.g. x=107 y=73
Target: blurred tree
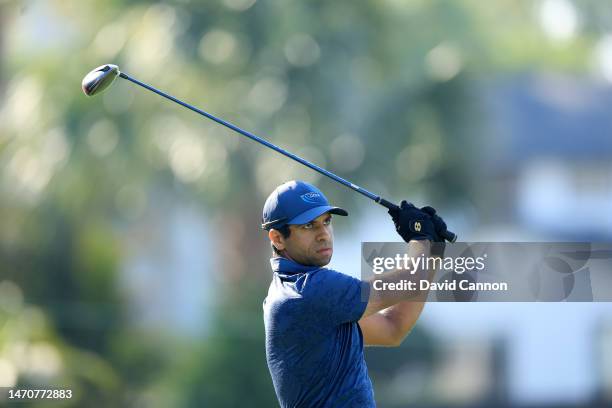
x=400 y=374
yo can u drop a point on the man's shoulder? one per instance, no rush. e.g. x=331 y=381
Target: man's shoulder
x=329 y=276
x=297 y=291
x=313 y=283
x=284 y=306
x=302 y=289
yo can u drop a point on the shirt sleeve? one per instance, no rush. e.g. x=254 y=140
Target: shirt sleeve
x=336 y=298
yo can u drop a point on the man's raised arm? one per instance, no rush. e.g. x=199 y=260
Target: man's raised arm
x=390 y=313
x=381 y=297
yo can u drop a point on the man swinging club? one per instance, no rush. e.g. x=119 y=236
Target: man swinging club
x=317 y=320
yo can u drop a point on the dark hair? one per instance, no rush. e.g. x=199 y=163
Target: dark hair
x=285 y=232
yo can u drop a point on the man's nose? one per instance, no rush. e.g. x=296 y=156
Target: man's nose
x=324 y=233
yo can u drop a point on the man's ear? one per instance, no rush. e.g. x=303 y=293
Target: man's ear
x=277 y=239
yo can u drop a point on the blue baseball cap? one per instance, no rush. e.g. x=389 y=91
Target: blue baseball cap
x=295 y=202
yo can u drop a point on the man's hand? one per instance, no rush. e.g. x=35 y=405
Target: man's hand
x=414 y=224
x=437 y=249
x=438 y=222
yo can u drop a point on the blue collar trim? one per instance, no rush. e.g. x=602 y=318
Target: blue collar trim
x=287 y=266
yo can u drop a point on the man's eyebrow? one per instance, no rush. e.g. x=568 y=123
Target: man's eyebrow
x=328 y=217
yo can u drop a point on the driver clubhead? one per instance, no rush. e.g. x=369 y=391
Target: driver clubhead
x=99 y=79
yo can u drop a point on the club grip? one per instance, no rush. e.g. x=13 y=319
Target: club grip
x=388 y=204
x=447 y=235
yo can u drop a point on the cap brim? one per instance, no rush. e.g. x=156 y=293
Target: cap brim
x=313 y=213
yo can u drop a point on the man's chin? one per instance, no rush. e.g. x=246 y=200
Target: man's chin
x=325 y=260
x=318 y=261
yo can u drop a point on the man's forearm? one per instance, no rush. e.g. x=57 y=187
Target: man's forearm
x=385 y=298
x=404 y=315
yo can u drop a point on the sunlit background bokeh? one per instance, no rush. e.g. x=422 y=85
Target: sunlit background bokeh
x=132 y=265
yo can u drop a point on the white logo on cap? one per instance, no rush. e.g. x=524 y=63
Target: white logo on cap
x=311 y=197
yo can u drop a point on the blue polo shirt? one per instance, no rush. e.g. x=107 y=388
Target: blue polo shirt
x=314 y=346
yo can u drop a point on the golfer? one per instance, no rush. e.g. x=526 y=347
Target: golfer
x=318 y=320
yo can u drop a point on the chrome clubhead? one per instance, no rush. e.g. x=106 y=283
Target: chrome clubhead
x=99 y=79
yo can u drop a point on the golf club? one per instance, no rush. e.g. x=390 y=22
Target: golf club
x=100 y=78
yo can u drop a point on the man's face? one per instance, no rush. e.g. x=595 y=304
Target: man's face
x=308 y=244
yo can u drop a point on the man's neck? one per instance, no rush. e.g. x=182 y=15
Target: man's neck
x=284 y=254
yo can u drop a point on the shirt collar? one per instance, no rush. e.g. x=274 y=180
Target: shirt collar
x=287 y=266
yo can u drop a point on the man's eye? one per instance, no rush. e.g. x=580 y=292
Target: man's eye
x=307 y=226
x=327 y=221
